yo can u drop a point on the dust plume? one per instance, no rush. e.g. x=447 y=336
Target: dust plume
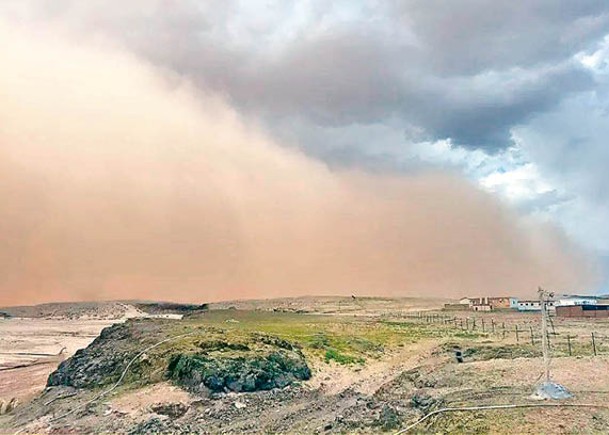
x=121 y=181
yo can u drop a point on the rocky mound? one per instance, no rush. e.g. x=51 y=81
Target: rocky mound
x=201 y=359
x=261 y=363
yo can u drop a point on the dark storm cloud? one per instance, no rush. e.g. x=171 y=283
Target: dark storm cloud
x=467 y=70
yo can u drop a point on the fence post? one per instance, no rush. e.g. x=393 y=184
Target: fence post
x=517 y=338
x=569 y=344
x=493 y=325
x=532 y=338
x=473 y=323
x=593 y=344
x=467 y=323
x=482 y=325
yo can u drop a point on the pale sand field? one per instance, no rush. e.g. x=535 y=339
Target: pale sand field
x=30 y=351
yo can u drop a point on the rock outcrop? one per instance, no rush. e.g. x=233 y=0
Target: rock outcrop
x=209 y=359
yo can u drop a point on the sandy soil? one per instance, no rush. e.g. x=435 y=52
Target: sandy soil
x=32 y=346
x=334 y=378
x=30 y=351
x=140 y=401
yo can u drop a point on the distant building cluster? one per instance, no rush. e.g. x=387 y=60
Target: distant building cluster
x=487 y=303
x=563 y=305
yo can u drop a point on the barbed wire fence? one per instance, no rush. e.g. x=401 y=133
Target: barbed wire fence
x=526 y=333
x=546 y=336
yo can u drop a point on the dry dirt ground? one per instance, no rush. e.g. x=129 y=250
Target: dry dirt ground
x=30 y=349
x=37 y=338
x=336 y=305
x=408 y=379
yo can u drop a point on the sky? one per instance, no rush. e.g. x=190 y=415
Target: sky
x=196 y=150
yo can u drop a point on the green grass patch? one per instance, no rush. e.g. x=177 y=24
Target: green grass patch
x=341 y=358
x=348 y=339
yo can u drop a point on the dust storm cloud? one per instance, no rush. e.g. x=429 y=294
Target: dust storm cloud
x=121 y=181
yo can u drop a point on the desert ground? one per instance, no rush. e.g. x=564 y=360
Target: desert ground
x=295 y=365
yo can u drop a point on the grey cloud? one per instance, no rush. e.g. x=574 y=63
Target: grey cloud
x=466 y=70
x=483 y=115
x=468 y=36
x=569 y=145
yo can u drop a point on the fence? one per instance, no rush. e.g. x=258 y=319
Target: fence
x=590 y=343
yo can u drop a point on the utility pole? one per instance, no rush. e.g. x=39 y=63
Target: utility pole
x=544 y=296
x=547 y=389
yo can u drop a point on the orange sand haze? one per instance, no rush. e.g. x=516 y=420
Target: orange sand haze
x=121 y=181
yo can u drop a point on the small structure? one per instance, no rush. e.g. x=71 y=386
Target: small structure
x=529 y=305
x=499 y=302
x=484 y=300
x=532 y=305
x=477 y=304
x=458 y=354
x=587 y=311
x=489 y=303
x=481 y=307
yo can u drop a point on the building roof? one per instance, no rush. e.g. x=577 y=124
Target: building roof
x=567 y=296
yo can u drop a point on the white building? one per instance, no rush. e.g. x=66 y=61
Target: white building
x=529 y=306
x=534 y=306
x=568 y=301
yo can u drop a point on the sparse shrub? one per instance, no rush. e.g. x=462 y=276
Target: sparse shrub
x=320 y=341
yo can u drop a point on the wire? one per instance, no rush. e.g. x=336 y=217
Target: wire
x=123 y=374
x=490 y=407
x=117 y=383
